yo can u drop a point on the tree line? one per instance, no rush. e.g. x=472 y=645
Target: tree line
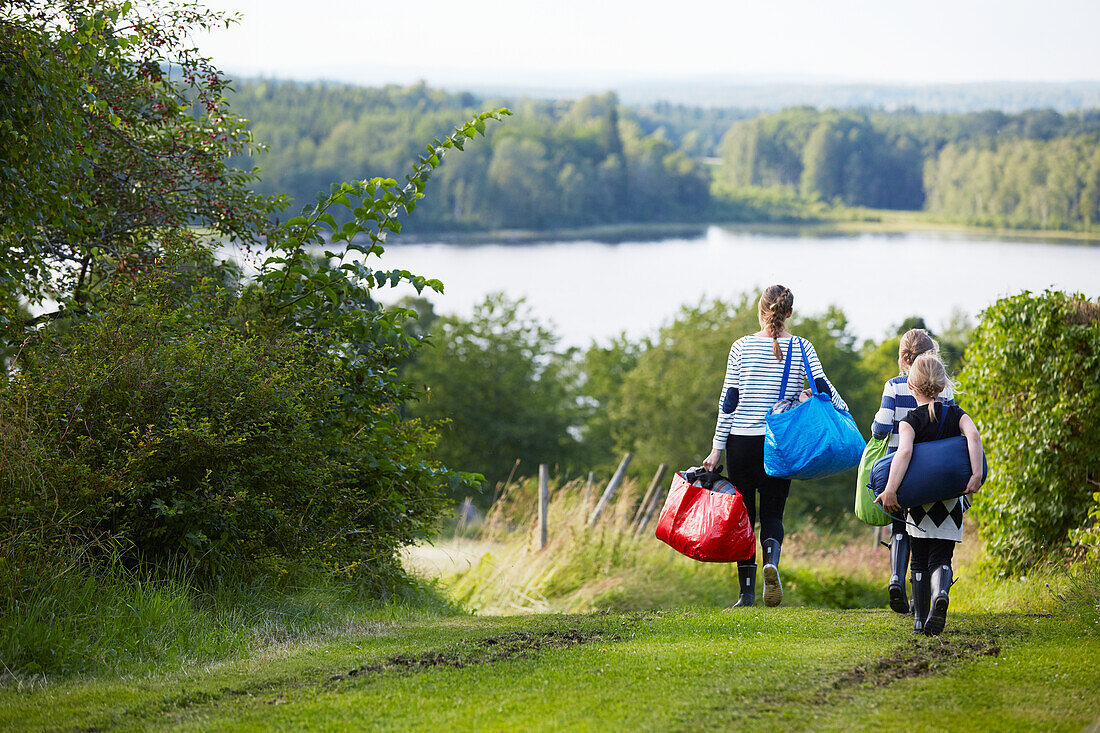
x=555 y=164
x=1035 y=168
x=596 y=161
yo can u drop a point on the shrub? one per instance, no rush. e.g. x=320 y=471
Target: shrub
x=1032 y=384
x=160 y=428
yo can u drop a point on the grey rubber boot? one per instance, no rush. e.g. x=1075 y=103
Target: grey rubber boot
x=899 y=560
x=941 y=584
x=922 y=594
x=746 y=581
x=773 y=587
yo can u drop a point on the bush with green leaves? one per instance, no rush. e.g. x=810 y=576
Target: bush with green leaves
x=502 y=389
x=1032 y=384
x=181 y=418
x=108 y=157
x=160 y=428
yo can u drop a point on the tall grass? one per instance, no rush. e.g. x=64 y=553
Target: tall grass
x=78 y=614
x=614 y=565
x=497 y=567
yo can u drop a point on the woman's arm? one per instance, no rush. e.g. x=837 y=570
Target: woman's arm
x=727 y=404
x=974 y=448
x=883 y=424
x=818 y=373
x=889 y=497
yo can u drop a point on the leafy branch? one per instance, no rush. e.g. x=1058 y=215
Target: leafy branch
x=298 y=286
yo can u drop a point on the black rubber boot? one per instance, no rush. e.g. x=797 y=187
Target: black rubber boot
x=941 y=584
x=922 y=593
x=773 y=588
x=899 y=560
x=746 y=581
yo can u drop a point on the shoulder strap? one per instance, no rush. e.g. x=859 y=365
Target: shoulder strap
x=806 y=366
x=786 y=369
x=943 y=418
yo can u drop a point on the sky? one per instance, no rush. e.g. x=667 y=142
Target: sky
x=588 y=41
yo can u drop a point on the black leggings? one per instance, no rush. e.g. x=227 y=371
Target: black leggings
x=928 y=553
x=745 y=467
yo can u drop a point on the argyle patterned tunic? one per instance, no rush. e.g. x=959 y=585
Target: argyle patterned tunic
x=941 y=520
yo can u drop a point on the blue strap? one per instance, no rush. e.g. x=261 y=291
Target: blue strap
x=806 y=366
x=786 y=370
x=943 y=419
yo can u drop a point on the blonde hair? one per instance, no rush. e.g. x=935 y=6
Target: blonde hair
x=928 y=377
x=913 y=343
x=775 y=303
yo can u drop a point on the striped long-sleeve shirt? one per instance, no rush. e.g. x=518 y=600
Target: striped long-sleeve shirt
x=897 y=402
x=753 y=378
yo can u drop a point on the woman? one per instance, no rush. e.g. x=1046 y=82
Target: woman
x=754 y=373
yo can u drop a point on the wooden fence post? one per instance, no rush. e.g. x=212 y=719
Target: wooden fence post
x=611 y=486
x=649 y=493
x=588 y=489
x=649 y=512
x=544 y=501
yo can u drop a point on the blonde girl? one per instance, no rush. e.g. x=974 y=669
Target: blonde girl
x=897 y=402
x=936 y=527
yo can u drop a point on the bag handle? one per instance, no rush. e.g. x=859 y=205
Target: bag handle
x=805 y=365
x=786 y=369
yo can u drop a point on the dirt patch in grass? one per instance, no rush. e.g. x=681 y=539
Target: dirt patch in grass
x=514 y=645
x=918 y=658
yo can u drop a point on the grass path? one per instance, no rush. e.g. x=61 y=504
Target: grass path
x=773 y=669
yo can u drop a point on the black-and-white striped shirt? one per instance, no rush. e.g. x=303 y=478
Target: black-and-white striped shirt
x=753 y=371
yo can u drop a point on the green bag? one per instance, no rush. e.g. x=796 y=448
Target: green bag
x=866 y=508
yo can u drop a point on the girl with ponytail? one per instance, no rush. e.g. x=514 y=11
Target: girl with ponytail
x=897 y=402
x=754 y=373
x=933 y=528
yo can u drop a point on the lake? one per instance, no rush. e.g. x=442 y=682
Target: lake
x=593 y=291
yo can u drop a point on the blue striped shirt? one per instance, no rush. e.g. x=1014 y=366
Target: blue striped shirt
x=753 y=371
x=897 y=402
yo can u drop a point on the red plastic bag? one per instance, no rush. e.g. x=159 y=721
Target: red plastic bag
x=705 y=525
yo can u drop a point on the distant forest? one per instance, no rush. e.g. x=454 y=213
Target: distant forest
x=595 y=161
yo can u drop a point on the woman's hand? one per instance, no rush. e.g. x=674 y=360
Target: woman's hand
x=712 y=460
x=804 y=395
x=974 y=484
x=889 y=500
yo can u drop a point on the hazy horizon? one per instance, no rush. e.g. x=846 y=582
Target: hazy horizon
x=503 y=42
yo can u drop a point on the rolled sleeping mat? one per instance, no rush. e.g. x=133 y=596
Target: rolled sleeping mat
x=938 y=470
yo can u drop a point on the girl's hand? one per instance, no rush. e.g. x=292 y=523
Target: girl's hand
x=712 y=460
x=804 y=395
x=889 y=500
x=974 y=484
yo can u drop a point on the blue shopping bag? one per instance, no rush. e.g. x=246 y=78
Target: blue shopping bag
x=813 y=439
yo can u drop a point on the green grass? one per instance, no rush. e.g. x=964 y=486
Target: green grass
x=654 y=652
x=77 y=617
x=611 y=567
x=772 y=669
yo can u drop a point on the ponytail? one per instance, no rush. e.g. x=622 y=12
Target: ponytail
x=913 y=343
x=928 y=378
x=775 y=303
